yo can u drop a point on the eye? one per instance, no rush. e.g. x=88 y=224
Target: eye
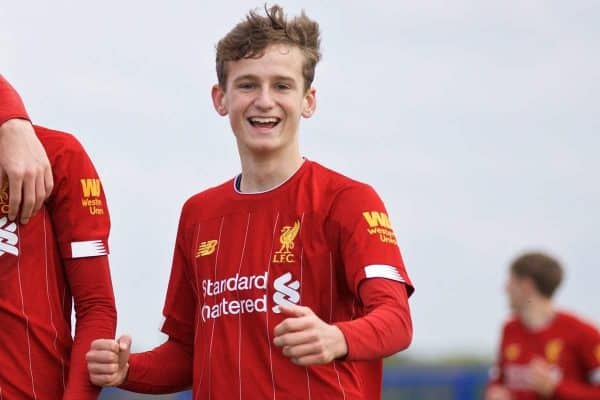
x=246 y=85
x=282 y=86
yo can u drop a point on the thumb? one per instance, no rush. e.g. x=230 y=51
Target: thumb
x=124 y=343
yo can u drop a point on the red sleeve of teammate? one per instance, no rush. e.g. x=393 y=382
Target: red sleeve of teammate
x=588 y=352
x=375 y=271
x=82 y=234
x=168 y=368
x=11 y=105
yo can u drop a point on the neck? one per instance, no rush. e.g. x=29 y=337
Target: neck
x=537 y=313
x=263 y=173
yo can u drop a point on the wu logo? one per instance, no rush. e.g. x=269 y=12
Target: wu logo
x=286 y=292
x=90 y=187
x=8 y=238
x=206 y=248
x=377 y=219
x=288 y=235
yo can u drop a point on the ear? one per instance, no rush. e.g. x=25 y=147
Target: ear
x=309 y=103
x=218 y=97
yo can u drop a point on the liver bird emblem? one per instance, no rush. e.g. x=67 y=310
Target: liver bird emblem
x=288 y=234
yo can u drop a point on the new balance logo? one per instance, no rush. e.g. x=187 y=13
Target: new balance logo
x=90 y=187
x=286 y=292
x=8 y=238
x=206 y=248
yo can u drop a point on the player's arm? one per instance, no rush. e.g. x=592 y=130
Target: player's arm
x=588 y=354
x=95 y=317
x=386 y=327
x=23 y=160
x=167 y=368
x=384 y=330
x=81 y=225
x=375 y=272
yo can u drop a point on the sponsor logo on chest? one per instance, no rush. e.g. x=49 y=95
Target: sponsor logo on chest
x=246 y=292
x=8 y=237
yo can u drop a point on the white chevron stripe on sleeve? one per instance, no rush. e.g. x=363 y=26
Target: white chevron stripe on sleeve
x=383 y=271
x=90 y=248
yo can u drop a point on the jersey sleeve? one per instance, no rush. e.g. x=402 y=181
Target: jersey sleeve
x=79 y=211
x=81 y=226
x=167 y=368
x=180 y=303
x=11 y=105
x=588 y=352
x=368 y=244
x=387 y=326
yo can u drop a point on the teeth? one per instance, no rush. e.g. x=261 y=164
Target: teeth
x=260 y=120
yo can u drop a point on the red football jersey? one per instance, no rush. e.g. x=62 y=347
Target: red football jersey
x=57 y=258
x=11 y=105
x=311 y=241
x=569 y=344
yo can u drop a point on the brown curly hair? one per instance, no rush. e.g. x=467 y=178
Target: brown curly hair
x=250 y=38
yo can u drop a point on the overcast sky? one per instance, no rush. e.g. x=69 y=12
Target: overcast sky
x=476 y=121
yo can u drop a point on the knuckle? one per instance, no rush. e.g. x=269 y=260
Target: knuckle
x=286 y=325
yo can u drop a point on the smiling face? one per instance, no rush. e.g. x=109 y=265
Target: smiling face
x=265 y=98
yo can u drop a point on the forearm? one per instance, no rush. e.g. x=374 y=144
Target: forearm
x=165 y=369
x=386 y=327
x=95 y=319
x=11 y=105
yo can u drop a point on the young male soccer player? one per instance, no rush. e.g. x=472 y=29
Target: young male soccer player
x=23 y=162
x=544 y=353
x=287 y=281
x=57 y=259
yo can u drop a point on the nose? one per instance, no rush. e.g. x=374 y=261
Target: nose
x=265 y=100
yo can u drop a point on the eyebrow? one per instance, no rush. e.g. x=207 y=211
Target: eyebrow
x=254 y=77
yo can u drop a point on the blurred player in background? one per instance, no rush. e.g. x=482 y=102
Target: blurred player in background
x=544 y=353
x=287 y=281
x=56 y=260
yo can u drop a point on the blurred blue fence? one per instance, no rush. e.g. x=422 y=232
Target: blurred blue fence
x=399 y=383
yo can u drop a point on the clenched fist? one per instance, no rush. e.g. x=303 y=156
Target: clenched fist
x=107 y=361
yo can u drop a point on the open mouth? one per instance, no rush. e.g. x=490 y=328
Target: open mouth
x=264 y=122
